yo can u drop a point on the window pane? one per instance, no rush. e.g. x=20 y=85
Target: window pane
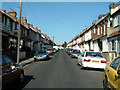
x=8 y=60
x=113 y=45
x=119 y=67
x=82 y=54
x=115 y=63
x=98 y=30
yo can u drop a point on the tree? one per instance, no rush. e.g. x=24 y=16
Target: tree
x=64 y=45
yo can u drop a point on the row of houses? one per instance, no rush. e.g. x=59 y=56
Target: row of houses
x=102 y=36
x=31 y=38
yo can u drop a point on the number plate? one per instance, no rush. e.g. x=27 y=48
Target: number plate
x=95 y=61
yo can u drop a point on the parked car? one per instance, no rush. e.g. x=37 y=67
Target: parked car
x=91 y=59
x=11 y=72
x=41 y=55
x=50 y=51
x=69 y=51
x=75 y=53
x=54 y=50
x=112 y=75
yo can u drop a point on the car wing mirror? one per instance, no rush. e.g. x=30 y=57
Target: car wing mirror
x=118 y=72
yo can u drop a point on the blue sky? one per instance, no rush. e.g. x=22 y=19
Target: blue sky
x=63 y=20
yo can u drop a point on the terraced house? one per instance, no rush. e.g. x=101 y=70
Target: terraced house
x=103 y=35
x=30 y=39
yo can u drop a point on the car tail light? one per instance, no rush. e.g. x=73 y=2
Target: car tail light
x=87 y=60
x=103 y=61
x=51 y=51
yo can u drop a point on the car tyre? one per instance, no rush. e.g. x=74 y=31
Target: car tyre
x=48 y=57
x=78 y=64
x=81 y=66
x=35 y=60
x=106 y=84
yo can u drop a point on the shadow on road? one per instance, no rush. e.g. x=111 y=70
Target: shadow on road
x=93 y=69
x=20 y=86
x=44 y=60
x=90 y=69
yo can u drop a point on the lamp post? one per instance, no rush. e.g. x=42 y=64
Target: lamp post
x=53 y=40
x=18 y=46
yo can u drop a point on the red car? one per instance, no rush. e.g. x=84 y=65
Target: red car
x=50 y=51
x=11 y=72
x=69 y=51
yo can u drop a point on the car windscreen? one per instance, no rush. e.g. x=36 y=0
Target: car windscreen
x=76 y=51
x=49 y=49
x=93 y=54
x=53 y=49
x=41 y=51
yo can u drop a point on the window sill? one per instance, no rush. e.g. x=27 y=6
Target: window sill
x=117 y=26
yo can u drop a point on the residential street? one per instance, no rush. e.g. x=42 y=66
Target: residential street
x=60 y=72
x=56 y=44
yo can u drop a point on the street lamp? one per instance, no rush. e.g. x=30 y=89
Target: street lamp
x=53 y=40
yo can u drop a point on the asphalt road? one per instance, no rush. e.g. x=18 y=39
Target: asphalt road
x=60 y=72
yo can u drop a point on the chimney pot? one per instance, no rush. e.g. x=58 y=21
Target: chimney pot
x=3 y=10
x=24 y=19
x=113 y=5
x=12 y=12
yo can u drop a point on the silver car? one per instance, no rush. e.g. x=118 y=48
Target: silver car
x=41 y=55
x=75 y=53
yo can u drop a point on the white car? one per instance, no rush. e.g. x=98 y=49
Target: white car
x=91 y=59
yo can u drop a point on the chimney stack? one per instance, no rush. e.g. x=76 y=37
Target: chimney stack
x=3 y=10
x=113 y=5
x=31 y=25
x=93 y=22
x=12 y=12
x=100 y=16
x=24 y=19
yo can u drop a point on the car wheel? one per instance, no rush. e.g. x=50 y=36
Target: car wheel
x=71 y=56
x=22 y=77
x=106 y=84
x=48 y=57
x=35 y=60
x=81 y=66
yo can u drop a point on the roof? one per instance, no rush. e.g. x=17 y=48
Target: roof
x=98 y=37
x=99 y=20
x=114 y=34
x=14 y=18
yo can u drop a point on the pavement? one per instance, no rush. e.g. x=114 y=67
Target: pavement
x=27 y=61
